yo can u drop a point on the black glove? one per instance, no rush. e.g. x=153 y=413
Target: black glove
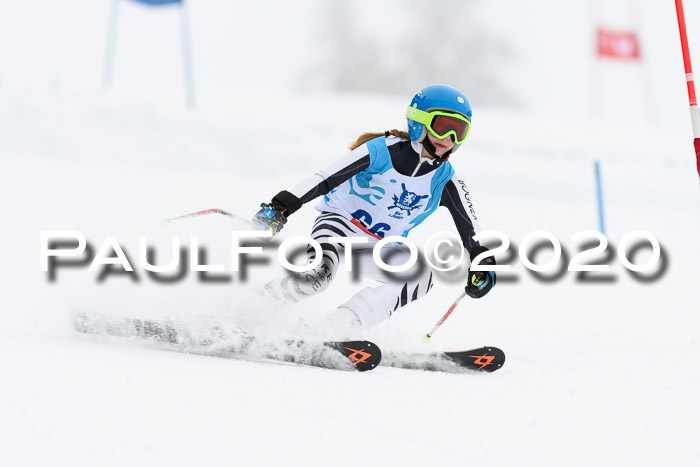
x=270 y=217
x=273 y=216
x=480 y=282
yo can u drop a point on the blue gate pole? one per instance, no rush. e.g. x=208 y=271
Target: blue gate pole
x=599 y=194
x=187 y=56
x=108 y=68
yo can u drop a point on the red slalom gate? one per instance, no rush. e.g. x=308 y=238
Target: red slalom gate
x=694 y=112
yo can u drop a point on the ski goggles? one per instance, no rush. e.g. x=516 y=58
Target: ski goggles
x=441 y=124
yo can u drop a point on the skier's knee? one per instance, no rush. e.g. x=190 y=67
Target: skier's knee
x=318 y=279
x=421 y=285
x=299 y=285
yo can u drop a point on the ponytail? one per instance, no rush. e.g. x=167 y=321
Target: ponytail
x=364 y=137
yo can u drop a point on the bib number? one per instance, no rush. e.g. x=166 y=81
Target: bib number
x=364 y=218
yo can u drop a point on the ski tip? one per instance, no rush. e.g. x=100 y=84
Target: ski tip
x=499 y=357
x=486 y=358
x=364 y=355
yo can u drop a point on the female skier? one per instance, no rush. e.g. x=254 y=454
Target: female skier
x=386 y=186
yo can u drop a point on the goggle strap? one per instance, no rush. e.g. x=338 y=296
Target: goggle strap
x=418 y=115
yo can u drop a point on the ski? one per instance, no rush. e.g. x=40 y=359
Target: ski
x=488 y=359
x=357 y=355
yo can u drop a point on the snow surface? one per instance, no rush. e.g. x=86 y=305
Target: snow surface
x=596 y=373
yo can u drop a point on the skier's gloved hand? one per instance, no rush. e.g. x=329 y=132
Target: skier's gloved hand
x=270 y=217
x=480 y=282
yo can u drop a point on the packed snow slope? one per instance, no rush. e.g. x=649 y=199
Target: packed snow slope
x=594 y=371
x=598 y=372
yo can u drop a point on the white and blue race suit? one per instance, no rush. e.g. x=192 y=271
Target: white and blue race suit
x=384 y=200
x=382 y=188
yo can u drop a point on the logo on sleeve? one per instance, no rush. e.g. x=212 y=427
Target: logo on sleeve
x=468 y=199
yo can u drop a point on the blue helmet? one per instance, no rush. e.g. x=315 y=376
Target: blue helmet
x=437 y=97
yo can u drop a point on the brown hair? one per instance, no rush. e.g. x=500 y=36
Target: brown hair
x=364 y=137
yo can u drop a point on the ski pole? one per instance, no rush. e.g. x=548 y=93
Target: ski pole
x=428 y=336
x=167 y=220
